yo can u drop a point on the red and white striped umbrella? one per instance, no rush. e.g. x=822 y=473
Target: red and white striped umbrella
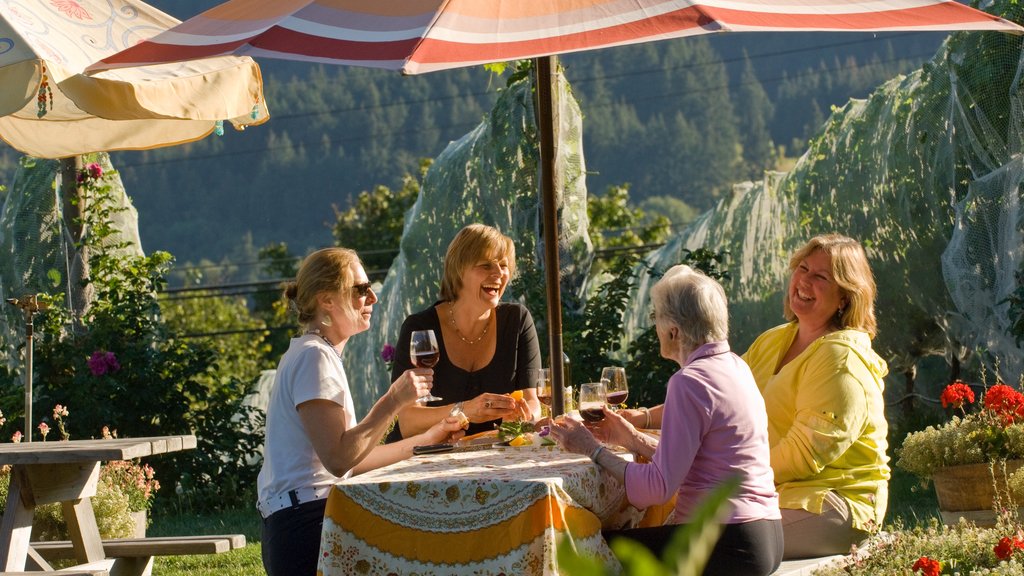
x=417 y=36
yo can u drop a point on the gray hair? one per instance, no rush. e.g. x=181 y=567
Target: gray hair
x=695 y=303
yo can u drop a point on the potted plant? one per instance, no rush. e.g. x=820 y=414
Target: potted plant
x=970 y=458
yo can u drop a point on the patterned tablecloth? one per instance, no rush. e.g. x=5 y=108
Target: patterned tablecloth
x=498 y=511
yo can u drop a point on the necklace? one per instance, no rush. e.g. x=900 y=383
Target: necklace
x=324 y=338
x=451 y=320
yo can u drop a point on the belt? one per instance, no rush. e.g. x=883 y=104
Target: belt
x=291 y=499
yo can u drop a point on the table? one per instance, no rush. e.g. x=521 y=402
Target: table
x=65 y=472
x=497 y=511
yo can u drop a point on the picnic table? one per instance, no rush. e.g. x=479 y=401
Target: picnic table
x=68 y=472
x=502 y=510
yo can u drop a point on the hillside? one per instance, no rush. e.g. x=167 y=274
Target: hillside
x=682 y=118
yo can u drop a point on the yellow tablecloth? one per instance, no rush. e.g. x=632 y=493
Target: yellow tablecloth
x=500 y=511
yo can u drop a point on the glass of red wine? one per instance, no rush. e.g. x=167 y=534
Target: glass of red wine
x=616 y=389
x=424 y=353
x=592 y=400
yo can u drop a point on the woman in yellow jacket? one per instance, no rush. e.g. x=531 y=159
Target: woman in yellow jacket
x=822 y=385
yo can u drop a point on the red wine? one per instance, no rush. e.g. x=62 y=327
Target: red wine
x=592 y=414
x=614 y=398
x=545 y=400
x=426 y=359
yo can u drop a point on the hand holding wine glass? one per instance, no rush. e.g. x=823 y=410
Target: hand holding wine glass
x=424 y=353
x=616 y=389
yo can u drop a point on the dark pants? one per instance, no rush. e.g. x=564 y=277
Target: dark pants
x=751 y=548
x=291 y=539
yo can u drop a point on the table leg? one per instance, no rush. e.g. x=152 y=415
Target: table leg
x=16 y=526
x=82 y=530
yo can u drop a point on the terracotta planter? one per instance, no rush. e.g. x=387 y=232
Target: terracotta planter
x=969 y=491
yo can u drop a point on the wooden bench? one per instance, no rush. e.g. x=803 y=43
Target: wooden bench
x=146 y=547
x=68 y=572
x=134 y=556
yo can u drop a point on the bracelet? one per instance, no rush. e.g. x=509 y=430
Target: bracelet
x=647 y=417
x=596 y=453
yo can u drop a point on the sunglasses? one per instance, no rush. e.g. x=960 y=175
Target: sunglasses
x=363 y=290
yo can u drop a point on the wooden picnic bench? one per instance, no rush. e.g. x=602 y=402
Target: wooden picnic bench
x=61 y=573
x=134 y=556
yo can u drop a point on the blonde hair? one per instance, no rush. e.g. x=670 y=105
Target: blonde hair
x=472 y=244
x=852 y=273
x=695 y=303
x=326 y=270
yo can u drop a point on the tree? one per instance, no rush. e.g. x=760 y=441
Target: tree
x=373 y=225
x=614 y=224
x=755 y=111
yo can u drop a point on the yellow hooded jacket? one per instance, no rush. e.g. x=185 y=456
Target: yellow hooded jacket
x=826 y=421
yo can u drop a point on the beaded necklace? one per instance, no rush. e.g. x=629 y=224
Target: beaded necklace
x=324 y=338
x=451 y=320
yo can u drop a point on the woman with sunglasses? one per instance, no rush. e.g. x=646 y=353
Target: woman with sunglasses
x=313 y=440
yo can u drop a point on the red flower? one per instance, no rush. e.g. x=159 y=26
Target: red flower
x=1005 y=402
x=956 y=394
x=1004 y=550
x=927 y=566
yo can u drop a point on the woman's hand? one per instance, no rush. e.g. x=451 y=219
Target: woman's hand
x=613 y=429
x=573 y=436
x=447 y=431
x=412 y=384
x=487 y=406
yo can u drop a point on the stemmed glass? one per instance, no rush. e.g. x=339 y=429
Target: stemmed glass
x=592 y=400
x=542 y=377
x=424 y=353
x=616 y=389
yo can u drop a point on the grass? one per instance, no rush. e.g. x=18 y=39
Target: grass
x=243 y=562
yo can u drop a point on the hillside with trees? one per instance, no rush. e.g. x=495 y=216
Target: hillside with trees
x=676 y=122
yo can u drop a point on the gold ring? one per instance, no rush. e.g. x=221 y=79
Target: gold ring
x=487 y=404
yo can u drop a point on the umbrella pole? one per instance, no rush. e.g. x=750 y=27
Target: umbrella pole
x=30 y=306
x=549 y=219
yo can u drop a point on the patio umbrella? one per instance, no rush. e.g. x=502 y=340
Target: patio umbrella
x=50 y=109
x=415 y=36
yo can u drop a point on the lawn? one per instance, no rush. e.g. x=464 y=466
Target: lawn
x=244 y=562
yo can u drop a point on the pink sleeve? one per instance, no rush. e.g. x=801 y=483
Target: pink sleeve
x=684 y=422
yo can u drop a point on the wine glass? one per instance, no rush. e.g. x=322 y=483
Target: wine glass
x=592 y=400
x=424 y=353
x=616 y=389
x=542 y=377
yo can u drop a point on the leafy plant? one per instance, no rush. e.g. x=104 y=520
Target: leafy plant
x=686 y=554
x=118 y=363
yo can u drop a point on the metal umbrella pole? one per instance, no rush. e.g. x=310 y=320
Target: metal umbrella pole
x=30 y=305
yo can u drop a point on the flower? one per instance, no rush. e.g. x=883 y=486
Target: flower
x=993 y=433
x=137 y=481
x=44 y=430
x=387 y=353
x=102 y=362
x=59 y=413
x=956 y=394
x=16 y=437
x=928 y=566
x=2 y=419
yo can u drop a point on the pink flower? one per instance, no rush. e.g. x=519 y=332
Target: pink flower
x=59 y=411
x=72 y=9
x=95 y=170
x=44 y=430
x=387 y=353
x=102 y=362
x=16 y=437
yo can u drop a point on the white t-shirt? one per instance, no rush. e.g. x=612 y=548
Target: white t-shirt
x=309 y=370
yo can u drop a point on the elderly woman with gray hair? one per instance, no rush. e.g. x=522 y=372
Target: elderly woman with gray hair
x=713 y=427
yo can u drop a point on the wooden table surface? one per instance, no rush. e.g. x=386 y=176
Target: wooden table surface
x=58 y=452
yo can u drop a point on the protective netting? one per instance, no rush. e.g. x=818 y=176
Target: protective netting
x=927 y=173
x=37 y=252
x=489 y=176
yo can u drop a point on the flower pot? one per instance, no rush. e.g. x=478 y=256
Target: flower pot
x=140 y=523
x=969 y=491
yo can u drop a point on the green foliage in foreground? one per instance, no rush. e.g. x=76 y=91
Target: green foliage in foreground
x=686 y=554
